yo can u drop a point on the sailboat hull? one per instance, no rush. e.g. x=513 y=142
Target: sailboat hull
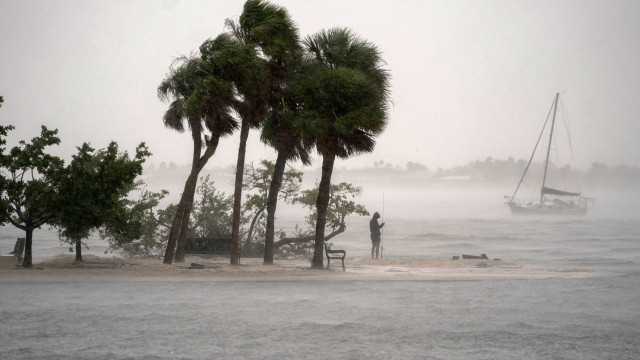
x=546 y=209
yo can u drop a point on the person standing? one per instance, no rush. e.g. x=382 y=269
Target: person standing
x=375 y=234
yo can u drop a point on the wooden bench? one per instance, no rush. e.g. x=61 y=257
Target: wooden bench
x=202 y=245
x=334 y=254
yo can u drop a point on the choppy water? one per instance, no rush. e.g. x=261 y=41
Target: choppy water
x=573 y=318
x=532 y=319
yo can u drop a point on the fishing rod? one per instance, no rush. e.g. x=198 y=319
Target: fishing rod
x=382 y=229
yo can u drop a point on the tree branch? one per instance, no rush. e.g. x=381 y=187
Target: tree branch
x=17 y=209
x=23 y=228
x=287 y=241
x=43 y=221
x=253 y=222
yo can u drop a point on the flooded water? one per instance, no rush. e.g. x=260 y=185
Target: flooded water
x=561 y=318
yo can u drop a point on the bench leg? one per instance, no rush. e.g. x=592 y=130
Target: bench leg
x=343 y=268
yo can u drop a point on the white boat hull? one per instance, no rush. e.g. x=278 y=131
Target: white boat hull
x=546 y=209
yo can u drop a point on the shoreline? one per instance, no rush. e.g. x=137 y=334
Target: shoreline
x=95 y=268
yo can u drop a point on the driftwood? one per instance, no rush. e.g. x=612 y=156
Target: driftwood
x=297 y=240
x=482 y=256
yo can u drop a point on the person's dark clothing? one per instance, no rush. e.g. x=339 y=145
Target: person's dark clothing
x=374 y=227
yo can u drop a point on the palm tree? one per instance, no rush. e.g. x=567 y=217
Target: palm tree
x=348 y=97
x=179 y=86
x=250 y=79
x=200 y=95
x=270 y=28
x=281 y=131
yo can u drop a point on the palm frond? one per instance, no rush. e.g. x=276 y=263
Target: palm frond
x=349 y=92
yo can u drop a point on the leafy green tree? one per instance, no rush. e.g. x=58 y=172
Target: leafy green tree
x=258 y=183
x=144 y=231
x=341 y=204
x=212 y=211
x=140 y=230
x=28 y=192
x=347 y=96
x=93 y=191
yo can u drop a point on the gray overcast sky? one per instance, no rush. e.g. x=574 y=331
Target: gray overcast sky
x=471 y=79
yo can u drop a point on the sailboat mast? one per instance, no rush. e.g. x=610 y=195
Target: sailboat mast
x=546 y=162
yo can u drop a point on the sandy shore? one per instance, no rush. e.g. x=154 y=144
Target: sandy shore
x=63 y=267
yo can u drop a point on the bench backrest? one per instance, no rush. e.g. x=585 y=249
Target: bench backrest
x=208 y=245
x=18 y=249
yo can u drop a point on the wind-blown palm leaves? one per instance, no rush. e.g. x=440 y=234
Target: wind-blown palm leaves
x=250 y=78
x=281 y=131
x=331 y=94
x=200 y=93
x=181 y=86
x=270 y=28
x=347 y=97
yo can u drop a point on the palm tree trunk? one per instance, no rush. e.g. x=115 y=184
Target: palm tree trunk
x=196 y=135
x=184 y=227
x=272 y=202
x=78 y=250
x=321 y=207
x=27 y=247
x=191 y=182
x=237 y=193
x=179 y=218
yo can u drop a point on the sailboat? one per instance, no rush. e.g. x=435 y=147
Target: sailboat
x=551 y=200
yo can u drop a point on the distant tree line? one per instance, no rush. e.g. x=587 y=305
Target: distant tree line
x=489 y=171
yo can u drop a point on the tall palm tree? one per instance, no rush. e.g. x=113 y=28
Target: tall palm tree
x=348 y=97
x=250 y=79
x=270 y=28
x=281 y=131
x=179 y=86
x=200 y=95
